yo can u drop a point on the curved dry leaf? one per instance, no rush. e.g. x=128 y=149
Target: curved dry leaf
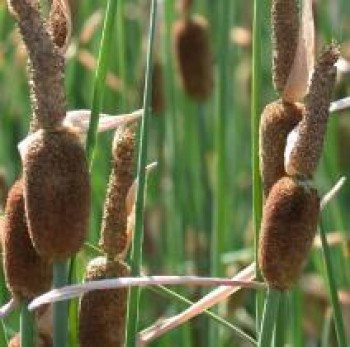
x=300 y=75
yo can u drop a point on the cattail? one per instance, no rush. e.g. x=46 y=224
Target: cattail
x=57 y=192
x=287 y=230
x=59 y=23
x=103 y=313
x=26 y=273
x=114 y=226
x=277 y=121
x=42 y=341
x=46 y=66
x=285 y=30
x=194 y=57
x=303 y=155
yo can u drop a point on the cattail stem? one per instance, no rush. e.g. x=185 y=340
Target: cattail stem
x=279 y=336
x=27 y=326
x=269 y=317
x=338 y=318
x=60 y=309
x=255 y=117
x=136 y=252
x=218 y=236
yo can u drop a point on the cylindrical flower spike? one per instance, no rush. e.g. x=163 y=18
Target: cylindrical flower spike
x=277 y=121
x=114 y=225
x=194 y=57
x=27 y=274
x=102 y=314
x=60 y=23
x=46 y=66
x=287 y=230
x=305 y=144
x=57 y=192
x=285 y=31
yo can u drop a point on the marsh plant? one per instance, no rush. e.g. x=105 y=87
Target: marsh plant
x=87 y=218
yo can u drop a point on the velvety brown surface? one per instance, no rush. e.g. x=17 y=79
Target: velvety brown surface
x=194 y=57
x=58 y=23
x=26 y=273
x=57 y=193
x=287 y=230
x=114 y=224
x=285 y=29
x=46 y=66
x=102 y=314
x=277 y=120
x=306 y=153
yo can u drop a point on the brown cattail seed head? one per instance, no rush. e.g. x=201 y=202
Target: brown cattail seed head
x=287 y=230
x=57 y=192
x=103 y=313
x=285 y=30
x=194 y=57
x=277 y=121
x=27 y=274
x=59 y=23
x=46 y=66
x=303 y=156
x=114 y=224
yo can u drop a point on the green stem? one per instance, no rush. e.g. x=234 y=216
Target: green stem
x=269 y=317
x=136 y=251
x=218 y=239
x=255 y=118
x=27 y=326
x=100 y=77
x=60 y=309
x=331 y=282
x=280 y=327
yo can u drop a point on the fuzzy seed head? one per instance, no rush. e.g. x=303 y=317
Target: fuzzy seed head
x=277 y=120
x=114 y=224
x=57 y=193
x=287 y=230
x=46 y=66
x=285 y=30
x=102 y=314
x=194 y=57
x=27 y=274
x=304 y=156
x=59 y=23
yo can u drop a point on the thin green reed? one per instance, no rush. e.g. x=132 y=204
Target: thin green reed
x=60 y=310
x=255 y=117
x=27 y=326
x=331 y=282
x=136 y=251
x=220 y=198
x=100 y=77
